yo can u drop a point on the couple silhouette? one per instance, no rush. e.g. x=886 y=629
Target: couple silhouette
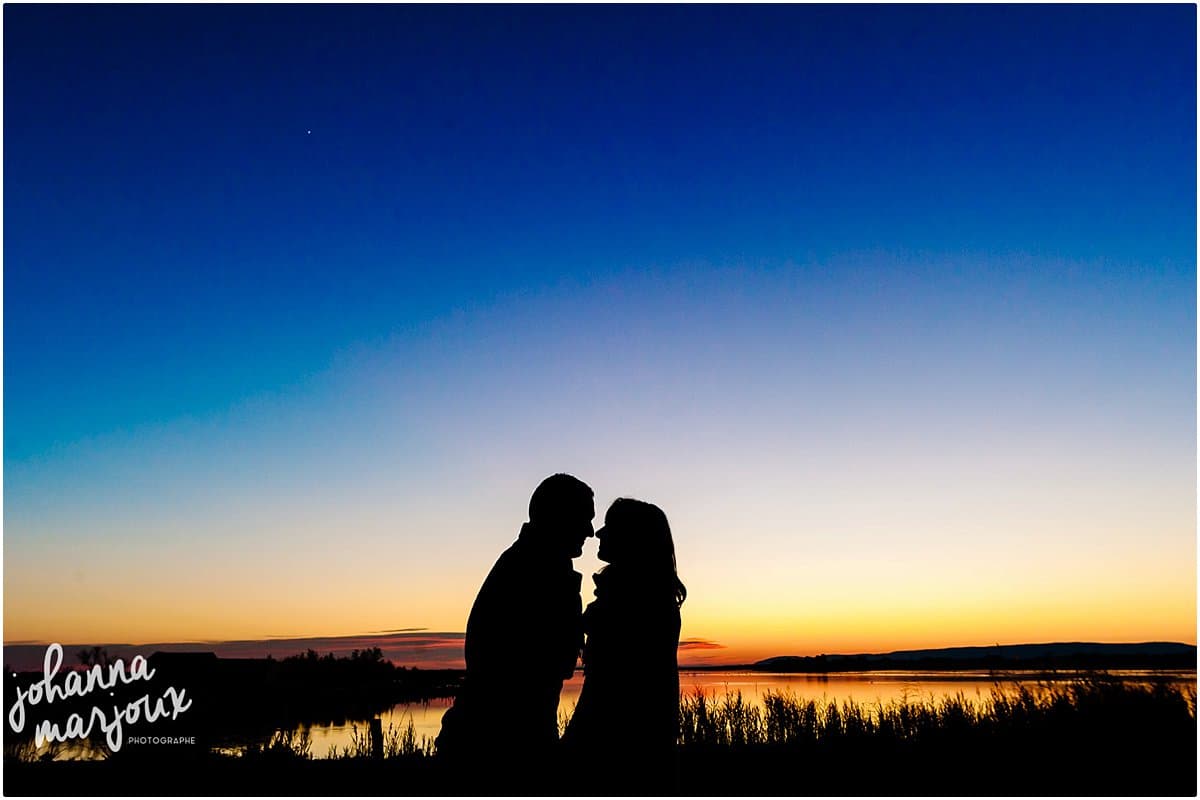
x=525 y=634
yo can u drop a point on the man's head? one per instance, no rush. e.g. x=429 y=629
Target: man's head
x=563 y=507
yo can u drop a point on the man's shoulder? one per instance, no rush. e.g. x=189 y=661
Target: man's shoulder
x=508 y=562
x=520 y=563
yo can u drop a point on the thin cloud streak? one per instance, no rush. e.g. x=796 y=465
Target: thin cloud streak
x=700 y=644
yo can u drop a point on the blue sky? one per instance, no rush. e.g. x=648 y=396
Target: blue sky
x=377 y=261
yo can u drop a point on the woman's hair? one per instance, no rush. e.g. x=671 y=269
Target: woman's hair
x=649 y=541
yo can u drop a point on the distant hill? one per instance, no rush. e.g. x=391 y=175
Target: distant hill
x=1056 y=655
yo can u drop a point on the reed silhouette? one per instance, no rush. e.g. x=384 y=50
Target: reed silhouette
x=1096 y=736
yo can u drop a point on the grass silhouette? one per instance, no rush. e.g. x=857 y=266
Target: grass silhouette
x=1095 y=735
x=783 y=719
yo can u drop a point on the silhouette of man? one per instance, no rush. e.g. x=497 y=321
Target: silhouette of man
x=523 y=640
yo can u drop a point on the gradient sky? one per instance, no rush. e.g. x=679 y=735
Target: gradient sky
x=891 y=309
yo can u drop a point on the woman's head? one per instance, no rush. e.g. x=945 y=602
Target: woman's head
x=637 y=537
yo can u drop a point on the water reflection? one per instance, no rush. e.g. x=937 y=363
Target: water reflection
x=866 y=688
x=426 y=719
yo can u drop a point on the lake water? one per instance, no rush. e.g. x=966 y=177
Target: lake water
x=861 y=687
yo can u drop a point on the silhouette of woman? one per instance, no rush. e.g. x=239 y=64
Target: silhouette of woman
x=628 y=709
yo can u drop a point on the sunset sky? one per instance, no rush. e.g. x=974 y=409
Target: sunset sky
x=891 y=309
